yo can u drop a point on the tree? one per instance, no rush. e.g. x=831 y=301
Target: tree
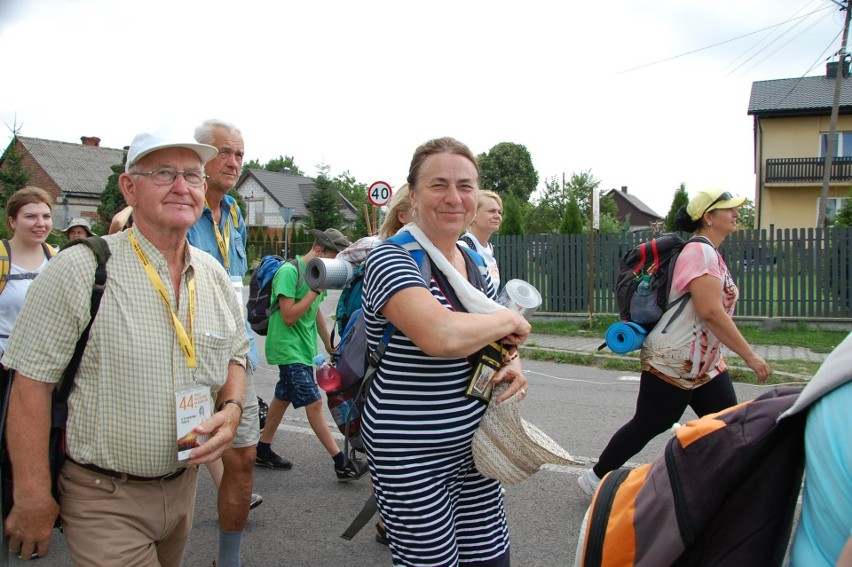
x=572 y=220
x=843 y=218
x=112 y=200
x=680 y=200
x=545 y=216
x=507 y=169
x=276 y=164
x=746 y=220
x=13 y=175
x=324 y=205
x=513 y=220
x=356 y=193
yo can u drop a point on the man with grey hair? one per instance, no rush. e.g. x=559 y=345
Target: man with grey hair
x=167 y=341
x=221 y=232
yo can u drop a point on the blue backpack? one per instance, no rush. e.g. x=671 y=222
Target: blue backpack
x=259 y=305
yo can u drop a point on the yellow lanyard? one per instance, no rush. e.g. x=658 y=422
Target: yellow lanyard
x=224 y=242
x=186 y=340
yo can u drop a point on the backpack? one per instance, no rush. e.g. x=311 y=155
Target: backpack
x=350 y=299
x=6 y=263
x=644 y=280
x=722 y=492
x=260 y=305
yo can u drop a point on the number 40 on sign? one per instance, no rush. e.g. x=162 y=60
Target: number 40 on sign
x=379 y=193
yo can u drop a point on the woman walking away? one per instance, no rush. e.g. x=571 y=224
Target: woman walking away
x=418 y=422
x=683 y=366
x=30 y=222
x=489 y=217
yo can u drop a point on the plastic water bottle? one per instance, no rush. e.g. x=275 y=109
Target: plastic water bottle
x=328 y=377
x=644 y=287
x=644 y=309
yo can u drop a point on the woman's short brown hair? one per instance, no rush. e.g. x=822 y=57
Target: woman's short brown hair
x=26 y=196
x=438 y=146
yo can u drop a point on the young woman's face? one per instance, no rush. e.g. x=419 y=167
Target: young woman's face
x=32 y=223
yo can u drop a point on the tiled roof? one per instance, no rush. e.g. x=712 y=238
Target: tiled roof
x=806 y=95
x=634 y=201
x=76 y=169
x=290 y=190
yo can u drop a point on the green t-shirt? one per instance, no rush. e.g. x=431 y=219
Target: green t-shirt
x=292 y=344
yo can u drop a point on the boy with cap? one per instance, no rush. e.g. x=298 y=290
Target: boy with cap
x=78 y=228
x=291 y=343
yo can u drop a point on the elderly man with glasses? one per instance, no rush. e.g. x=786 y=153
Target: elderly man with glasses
x=167 y=341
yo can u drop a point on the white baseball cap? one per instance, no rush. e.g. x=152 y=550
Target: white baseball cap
x=145 y=143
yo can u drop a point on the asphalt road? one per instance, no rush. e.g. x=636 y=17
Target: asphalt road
x=305 y=509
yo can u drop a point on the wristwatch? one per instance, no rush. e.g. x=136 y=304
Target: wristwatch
x=237 y=403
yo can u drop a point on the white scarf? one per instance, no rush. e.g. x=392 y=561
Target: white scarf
x=473 y=300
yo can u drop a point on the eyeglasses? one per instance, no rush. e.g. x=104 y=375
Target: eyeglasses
x=726 y=196
x=167 y=176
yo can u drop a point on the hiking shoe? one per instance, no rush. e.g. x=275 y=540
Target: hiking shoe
x=256 y=500
x=272 y=460
x=588 y=482
x=352 y=470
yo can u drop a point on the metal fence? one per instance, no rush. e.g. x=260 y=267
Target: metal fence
x=781 y=273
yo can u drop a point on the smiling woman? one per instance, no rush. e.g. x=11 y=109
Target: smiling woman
x=30 y=221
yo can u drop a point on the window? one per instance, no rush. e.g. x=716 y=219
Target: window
x=832 y=207
x=843 y=145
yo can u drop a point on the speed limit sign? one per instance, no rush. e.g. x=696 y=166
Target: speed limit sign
x=379 y=193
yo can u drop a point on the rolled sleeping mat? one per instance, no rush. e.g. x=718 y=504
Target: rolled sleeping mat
x=623 y=337
x=326 y=273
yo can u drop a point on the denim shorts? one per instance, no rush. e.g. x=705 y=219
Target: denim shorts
x=296 y=385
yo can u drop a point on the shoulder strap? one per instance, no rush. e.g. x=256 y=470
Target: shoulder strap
x=100 y=249
x=469 y=241
x=5 y=262
x=49 y=251
x=300 y=273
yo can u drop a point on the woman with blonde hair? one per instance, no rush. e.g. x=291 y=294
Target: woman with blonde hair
x=489 y=217
x=29 y=218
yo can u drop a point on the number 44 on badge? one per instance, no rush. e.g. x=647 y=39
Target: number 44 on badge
x=379 y=193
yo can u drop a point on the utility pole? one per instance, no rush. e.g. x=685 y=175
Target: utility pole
x=822 y=219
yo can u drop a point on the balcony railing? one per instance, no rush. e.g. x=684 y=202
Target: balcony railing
x=799 y=170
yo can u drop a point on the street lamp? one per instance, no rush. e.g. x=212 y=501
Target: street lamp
x=286 y=214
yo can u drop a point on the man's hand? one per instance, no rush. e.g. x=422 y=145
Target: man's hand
x=30 y=525
x=221 y=427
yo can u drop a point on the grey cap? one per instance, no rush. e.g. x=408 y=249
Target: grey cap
x=331 y=238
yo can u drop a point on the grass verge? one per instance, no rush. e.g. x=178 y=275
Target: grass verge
x=799 y=335
x=785 y=371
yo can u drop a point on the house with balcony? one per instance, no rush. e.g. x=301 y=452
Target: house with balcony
x=791 y=127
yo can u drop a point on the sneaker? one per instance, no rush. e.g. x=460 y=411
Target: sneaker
x=353 y=470
x=588 y=482
x=272 y=460
x=256 y=500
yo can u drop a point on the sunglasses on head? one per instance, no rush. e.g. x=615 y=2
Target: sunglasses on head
x=726 y=196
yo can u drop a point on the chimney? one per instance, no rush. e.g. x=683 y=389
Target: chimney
x=93 y=141
x=831 y=69
x=624 y=189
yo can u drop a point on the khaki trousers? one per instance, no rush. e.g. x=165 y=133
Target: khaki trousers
x=115 y=522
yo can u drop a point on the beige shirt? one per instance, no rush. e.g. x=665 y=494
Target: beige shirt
x=122 y=406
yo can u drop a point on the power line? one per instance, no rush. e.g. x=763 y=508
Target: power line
x=719 y=43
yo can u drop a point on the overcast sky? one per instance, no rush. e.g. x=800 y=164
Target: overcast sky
x=359 y=85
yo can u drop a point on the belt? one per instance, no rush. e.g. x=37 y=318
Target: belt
x=128 y=476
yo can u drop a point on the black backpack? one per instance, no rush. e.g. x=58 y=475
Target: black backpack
x=644 y=279
x=259 y=306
